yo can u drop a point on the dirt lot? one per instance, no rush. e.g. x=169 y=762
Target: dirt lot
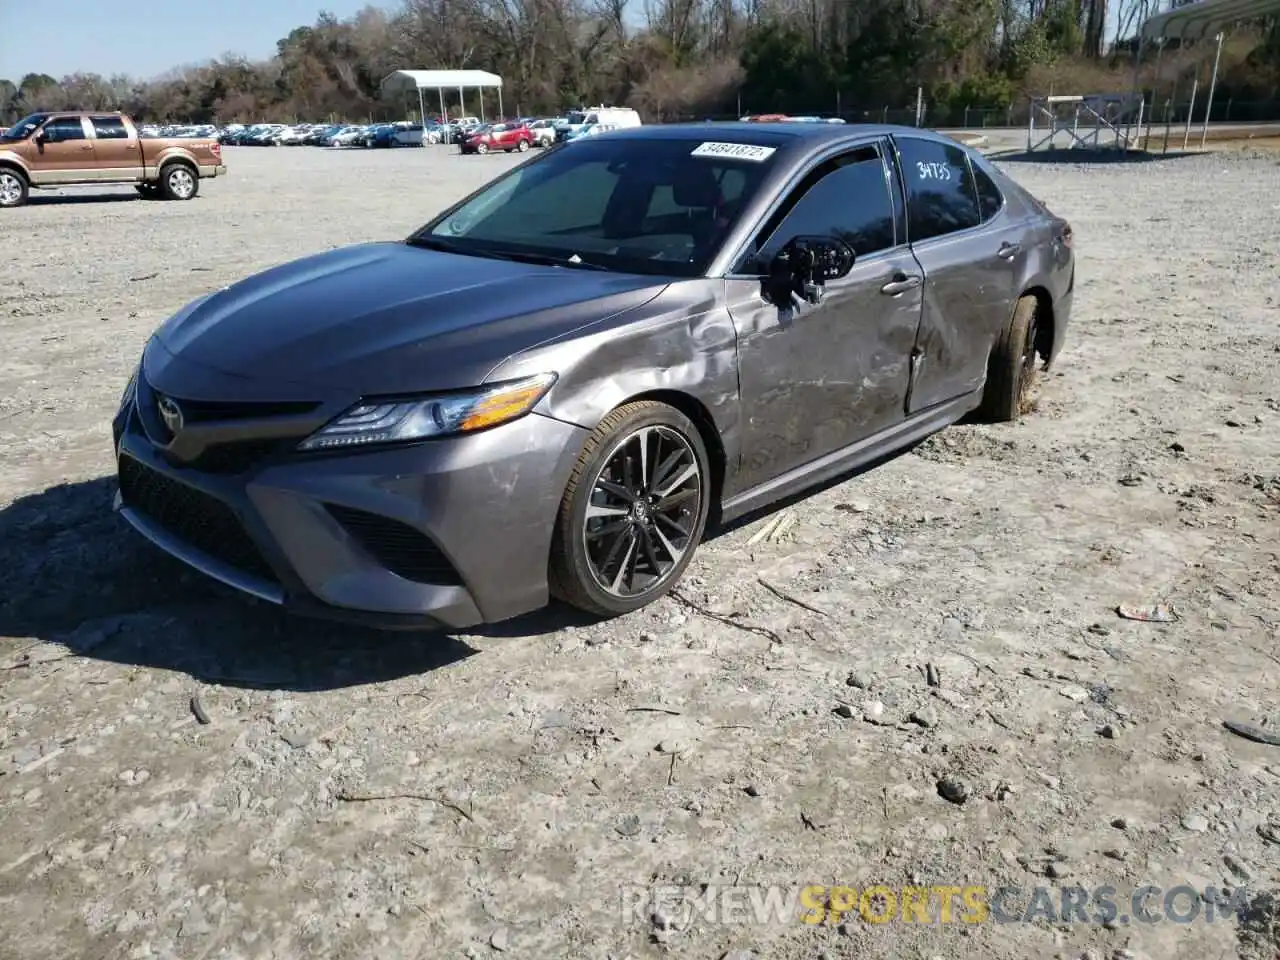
x=784 y=742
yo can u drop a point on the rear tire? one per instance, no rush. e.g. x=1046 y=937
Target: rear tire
x=178 y=182
x=1011 y=371
x=633 y=512
x=14 y=188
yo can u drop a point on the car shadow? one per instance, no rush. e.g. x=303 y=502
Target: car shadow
x=76 y=575
x=1083 y=156
x=37 y=199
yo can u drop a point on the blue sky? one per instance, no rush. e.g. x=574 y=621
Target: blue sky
x=145 y=38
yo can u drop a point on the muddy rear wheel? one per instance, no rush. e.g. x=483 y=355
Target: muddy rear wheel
x=1011 y=373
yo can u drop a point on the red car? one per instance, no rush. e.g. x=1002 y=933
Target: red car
x=498 y=136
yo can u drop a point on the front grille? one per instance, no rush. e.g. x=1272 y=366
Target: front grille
x=232 y=456
x=204 y=411
x=192 y=516
x=236 y=457
x=406 y=552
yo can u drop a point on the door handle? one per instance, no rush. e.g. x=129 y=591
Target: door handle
x=901 y=283
x=87 y=146
x=1008 y=251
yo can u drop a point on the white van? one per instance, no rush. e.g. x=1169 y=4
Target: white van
x=603 y=119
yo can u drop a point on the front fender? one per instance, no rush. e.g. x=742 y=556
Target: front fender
x=683 y=341
x=14 y=159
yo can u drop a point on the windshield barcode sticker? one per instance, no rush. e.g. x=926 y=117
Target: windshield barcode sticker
x=734 y=151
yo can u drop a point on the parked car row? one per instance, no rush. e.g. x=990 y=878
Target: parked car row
x=520 y=135
x=403 y=133
x=594 y=120
x=470 y=133
x=786 y=118
x=177 y=131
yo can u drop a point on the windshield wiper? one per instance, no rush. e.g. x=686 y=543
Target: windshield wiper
x=445 y=246
x=573 y=260
x=448 y=246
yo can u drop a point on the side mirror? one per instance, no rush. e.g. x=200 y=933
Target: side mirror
x=41 y=137
x=805 y=265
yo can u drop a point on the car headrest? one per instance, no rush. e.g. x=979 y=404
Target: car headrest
x=695 y=186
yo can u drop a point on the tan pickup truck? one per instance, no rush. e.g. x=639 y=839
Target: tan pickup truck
x=59 y=149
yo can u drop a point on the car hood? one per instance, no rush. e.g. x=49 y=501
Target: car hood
x=389 y=318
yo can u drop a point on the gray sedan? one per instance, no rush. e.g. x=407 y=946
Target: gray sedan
x=555 y=386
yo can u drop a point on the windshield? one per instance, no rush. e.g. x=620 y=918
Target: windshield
x=635 y=206
x=24 y=127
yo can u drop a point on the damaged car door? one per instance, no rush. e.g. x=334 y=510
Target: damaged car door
x=971 y=255
x=816 y=377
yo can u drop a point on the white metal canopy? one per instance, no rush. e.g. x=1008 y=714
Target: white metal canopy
x=1195 y=21
x=408 y=81
x=404 y=81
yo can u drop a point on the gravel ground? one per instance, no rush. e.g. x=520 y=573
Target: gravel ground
x=790 y=735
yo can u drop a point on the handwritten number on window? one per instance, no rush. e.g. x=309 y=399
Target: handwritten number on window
x=933 y=171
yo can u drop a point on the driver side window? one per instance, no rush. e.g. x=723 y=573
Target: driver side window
x=61 y=129
x=846 y=198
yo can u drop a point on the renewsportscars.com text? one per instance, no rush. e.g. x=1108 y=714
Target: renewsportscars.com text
x=937 y=904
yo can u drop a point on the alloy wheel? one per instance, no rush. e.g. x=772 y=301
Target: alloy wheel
x=644 y=507
x=10 y=188
x=181 y=183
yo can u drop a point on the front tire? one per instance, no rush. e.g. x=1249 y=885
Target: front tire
x=14 y=188
x=522 y=146
x=1011 y=372
x=633 y=512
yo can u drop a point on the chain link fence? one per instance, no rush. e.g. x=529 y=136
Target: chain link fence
x=951 y=116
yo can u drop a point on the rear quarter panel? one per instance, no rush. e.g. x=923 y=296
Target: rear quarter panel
x=204 y=153
x=1050 y=264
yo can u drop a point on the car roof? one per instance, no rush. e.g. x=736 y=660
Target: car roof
x=796 y=141
x=773 y=133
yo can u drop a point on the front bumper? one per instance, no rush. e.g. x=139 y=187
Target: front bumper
x=447 y=533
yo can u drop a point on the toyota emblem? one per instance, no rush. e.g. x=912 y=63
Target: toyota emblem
x=170 y=413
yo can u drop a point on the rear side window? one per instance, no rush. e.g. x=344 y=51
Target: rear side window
x=64 y=128
x=846 y=197
x=990 y=200
x=109 y=128
x=941 y=196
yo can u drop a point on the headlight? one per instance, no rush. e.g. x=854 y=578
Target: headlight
x=398 y=421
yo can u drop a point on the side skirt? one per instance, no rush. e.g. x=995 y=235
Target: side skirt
x=847 y=459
